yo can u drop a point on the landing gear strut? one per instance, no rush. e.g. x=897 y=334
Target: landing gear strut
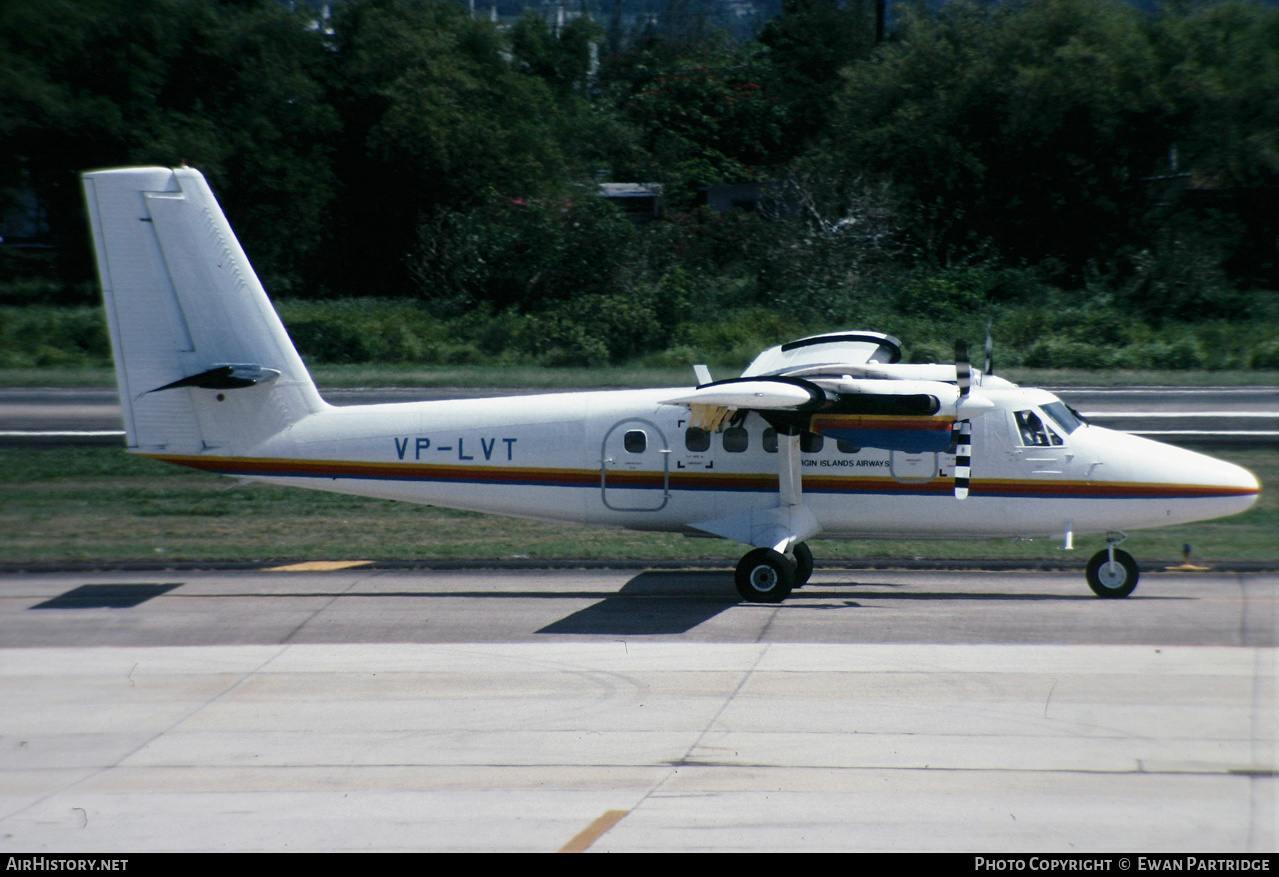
x=1112 y=573
x=766 y=575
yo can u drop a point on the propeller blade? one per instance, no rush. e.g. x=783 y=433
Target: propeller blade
x=963 y=457
x=963 y=369
x=963 y=428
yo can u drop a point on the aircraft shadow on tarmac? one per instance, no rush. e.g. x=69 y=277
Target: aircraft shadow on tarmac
x=685 y=600
x=654 y=602
x=688 y=599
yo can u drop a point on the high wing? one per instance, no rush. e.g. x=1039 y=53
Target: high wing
x=847 y=386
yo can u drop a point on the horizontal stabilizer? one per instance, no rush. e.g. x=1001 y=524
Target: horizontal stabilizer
x=225 y=377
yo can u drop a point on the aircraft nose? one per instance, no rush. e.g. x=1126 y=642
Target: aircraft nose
x=1237 y=481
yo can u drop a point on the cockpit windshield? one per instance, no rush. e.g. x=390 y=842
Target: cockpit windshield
x=1063 y=415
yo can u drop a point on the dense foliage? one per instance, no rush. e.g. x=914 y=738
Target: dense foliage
x=1096 y=177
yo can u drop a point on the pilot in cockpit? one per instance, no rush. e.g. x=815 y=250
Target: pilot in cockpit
x=1031 y=428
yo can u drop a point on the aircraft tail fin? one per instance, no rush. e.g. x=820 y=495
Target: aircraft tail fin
x=203 y=362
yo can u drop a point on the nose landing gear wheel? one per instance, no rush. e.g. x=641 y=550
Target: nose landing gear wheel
x=765 y=576
x=1111 y=580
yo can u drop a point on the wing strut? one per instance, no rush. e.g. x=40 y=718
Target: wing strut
x=790 y=478
x=778 y=527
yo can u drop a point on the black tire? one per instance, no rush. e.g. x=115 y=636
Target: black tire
x=803 y=563
x=1112 y=581
x=765 y=576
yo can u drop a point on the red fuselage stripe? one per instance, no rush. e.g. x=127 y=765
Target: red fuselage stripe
x=282 y=468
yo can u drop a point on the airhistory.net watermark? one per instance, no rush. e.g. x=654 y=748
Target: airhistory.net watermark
x=63 y=863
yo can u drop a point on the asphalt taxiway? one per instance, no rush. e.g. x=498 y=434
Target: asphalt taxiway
x=607 y=710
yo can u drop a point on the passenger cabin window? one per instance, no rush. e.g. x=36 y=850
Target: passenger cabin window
x=1033 y=431
x=846 y=447
x=736 y=439
x=696 y=439
x=809 y=443
x=635 y=441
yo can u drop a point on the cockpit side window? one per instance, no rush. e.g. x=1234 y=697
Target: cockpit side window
x=1033 y=432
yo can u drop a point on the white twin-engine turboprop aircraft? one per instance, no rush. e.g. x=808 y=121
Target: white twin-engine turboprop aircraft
x=828 y=434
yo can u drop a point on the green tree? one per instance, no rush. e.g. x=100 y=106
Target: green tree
x=434 y=118
x=702 y=113
x=809 y=44
x=1027 y=129
x=232 y=88
x=564 y=60
x=1224 y=79
x=523 y=254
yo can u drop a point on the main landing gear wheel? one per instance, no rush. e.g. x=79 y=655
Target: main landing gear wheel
x=765 y=576
x=1112 y=580
x=803 y=563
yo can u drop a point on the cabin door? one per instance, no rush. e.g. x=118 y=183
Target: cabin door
x=913 y=468
x=635 y=467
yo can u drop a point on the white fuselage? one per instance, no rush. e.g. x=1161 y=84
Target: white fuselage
x=626 y=459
